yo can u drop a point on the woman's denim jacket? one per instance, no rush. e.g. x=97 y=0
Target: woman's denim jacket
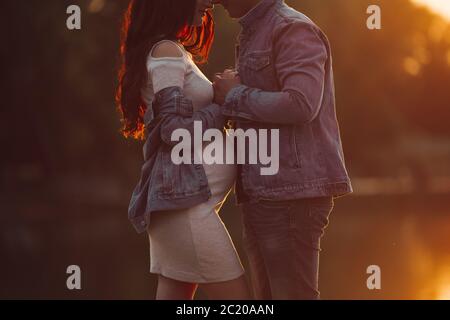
x=164 y=185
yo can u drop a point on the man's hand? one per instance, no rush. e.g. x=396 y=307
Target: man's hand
x=223 y=83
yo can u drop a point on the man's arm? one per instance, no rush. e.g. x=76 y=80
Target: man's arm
x=300 y=56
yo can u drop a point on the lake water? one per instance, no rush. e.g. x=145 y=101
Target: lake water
x=407 y=236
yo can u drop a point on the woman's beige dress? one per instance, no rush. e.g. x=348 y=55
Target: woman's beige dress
x=192 y=245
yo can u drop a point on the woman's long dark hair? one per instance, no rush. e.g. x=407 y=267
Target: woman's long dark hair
x=146 y=22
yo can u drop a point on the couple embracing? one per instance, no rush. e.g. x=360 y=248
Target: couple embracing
x=283 y=80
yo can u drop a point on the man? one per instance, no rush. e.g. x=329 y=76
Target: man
x=286 y=82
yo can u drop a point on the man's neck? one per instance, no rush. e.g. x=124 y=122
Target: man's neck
x=251 y=5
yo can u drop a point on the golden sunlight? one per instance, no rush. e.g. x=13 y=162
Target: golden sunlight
x=441 y=7
x=443 y=292
x=412 y=66
x=96 y=6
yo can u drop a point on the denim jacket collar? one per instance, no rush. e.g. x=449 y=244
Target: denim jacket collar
x=256 y=13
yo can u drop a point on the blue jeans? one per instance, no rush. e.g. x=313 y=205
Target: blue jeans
x=282 y=242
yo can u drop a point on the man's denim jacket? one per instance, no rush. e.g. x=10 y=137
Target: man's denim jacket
x=284 y=62
x=164 y=185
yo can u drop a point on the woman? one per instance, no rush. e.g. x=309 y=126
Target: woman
x=161 y=89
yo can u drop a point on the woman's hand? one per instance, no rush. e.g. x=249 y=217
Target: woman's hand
x=223 y=83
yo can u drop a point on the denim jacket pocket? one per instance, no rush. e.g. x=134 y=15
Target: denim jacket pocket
x=258 y=70
x=258 y=60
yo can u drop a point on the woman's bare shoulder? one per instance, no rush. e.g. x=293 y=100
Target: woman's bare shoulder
x=166 y=49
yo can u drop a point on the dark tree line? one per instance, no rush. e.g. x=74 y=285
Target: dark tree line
x=58 y=104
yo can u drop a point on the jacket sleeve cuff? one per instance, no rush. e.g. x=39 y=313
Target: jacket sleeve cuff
x=231 y=105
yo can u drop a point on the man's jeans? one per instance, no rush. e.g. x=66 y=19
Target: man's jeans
x=282 y=242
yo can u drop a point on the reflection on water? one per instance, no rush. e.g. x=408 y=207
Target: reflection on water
x=443 y=292
x=442 y=284
x=408 y=236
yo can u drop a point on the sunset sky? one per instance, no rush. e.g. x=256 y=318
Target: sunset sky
x=440 y=6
